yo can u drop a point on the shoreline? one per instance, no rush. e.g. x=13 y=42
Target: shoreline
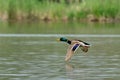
x=47 y=18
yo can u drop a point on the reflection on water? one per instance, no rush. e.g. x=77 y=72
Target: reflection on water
x=99 y=69
x=59 y=28
x=42 y=58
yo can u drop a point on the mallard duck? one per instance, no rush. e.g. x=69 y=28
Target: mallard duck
x=73 y=46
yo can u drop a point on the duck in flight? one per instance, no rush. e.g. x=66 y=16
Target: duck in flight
x=73 y=46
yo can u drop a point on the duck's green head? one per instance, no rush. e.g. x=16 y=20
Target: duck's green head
x=63 y=39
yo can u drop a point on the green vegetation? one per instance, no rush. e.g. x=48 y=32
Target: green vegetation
x=93 y=10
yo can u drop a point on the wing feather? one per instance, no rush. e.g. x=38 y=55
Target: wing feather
x=71 y=50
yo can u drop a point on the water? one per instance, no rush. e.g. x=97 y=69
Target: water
x=38 y=56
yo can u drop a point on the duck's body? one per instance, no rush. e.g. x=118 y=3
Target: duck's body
x=73 y=46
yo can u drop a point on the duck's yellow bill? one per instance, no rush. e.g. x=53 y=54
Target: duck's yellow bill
x=58 y=39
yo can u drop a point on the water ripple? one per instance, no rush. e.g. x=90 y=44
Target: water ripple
x=59 y=35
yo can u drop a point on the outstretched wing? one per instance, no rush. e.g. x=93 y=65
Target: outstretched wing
x=71 y=50
x=87 y=44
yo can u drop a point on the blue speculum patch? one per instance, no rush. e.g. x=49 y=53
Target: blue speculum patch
x=75 y=47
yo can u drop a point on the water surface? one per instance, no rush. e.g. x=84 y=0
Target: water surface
x=42 y=58
x=34 y=54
